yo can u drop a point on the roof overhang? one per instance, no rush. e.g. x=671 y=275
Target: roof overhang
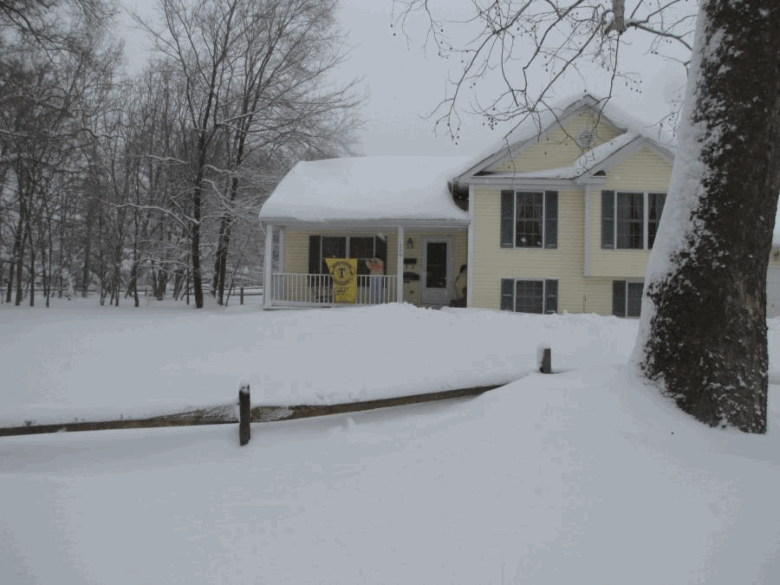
x=512 y=181
x=369 y=225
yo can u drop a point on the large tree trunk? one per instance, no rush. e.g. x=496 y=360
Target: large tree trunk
x=221 y=257
x=16 y=260
x=197 y=278
x=20 y=265
x=223 y=239
x=703 y=335
x=86 y=270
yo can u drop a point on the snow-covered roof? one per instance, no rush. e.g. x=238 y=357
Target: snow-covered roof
x=587 y=163
x=536 y=125
x=382 y=188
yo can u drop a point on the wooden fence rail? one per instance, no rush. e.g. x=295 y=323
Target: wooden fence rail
x=207 y=416
x=243 y=413
x=227 y=414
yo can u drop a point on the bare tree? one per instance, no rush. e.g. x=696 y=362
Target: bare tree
x=51 y=97
x=155 y=146
x=702 y=337
x=254 y=76
x=526 y=49
x=55 y=69
x=282 y=100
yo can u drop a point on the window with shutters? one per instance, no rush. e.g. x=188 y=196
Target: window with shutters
x=627 y=298
x=629 y=220
x=360 y=247
x=529 y=295
x=529 y=219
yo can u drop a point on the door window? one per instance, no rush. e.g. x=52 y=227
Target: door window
x=436 y=265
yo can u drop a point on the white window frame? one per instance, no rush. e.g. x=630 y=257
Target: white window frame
x=645 y=217
x=544 y=281
x=629 y=282
x=543 y=220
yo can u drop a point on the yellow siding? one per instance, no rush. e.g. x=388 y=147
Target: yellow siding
x=576 y=293
x=645 y=171
x=559 y=148
x=492 y=263
x=296 y=252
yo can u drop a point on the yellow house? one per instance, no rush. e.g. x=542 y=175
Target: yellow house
x=563 y=218
x=560 y=217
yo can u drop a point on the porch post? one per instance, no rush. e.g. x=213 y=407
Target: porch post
x=588 y=191
x=268 y=265
x=470 y=251
x=399 y=281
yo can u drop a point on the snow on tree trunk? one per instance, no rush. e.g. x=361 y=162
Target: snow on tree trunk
x=702 y=335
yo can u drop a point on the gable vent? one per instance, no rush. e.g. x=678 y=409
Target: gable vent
x=585 y=139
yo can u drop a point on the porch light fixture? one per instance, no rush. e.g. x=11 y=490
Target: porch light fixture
x=409 y=244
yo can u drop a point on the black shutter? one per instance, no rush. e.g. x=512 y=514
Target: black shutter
x=314 y=254
x=507 y=294
x=619 y=298
x=550 y=296
x=507 y=218
x=551 y=219
x=607 y=219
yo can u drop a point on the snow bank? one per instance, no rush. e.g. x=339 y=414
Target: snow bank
x=584 y=475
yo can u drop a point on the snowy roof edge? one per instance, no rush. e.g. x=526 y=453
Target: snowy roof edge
x=538 y=124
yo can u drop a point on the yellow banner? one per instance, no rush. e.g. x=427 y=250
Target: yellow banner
x=344 y=273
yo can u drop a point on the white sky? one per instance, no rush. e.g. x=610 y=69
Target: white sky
x=405 y=83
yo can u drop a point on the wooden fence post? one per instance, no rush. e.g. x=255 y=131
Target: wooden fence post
x=546 y=367
x=241 y=295
x=244 y=414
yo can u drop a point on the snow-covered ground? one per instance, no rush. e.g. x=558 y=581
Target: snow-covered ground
x=580 y=477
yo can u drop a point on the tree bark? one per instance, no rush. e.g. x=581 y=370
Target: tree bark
x=221 y=256
x=86 y=270
x=703 y=335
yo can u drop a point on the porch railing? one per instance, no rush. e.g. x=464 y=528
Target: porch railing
x=311 y=290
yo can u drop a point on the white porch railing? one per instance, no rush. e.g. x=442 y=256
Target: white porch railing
x=312 y=290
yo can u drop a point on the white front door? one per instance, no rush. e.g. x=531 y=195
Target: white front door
x=436 y=274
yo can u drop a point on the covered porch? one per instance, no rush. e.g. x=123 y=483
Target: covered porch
x=420 y=263
x=347 y=211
